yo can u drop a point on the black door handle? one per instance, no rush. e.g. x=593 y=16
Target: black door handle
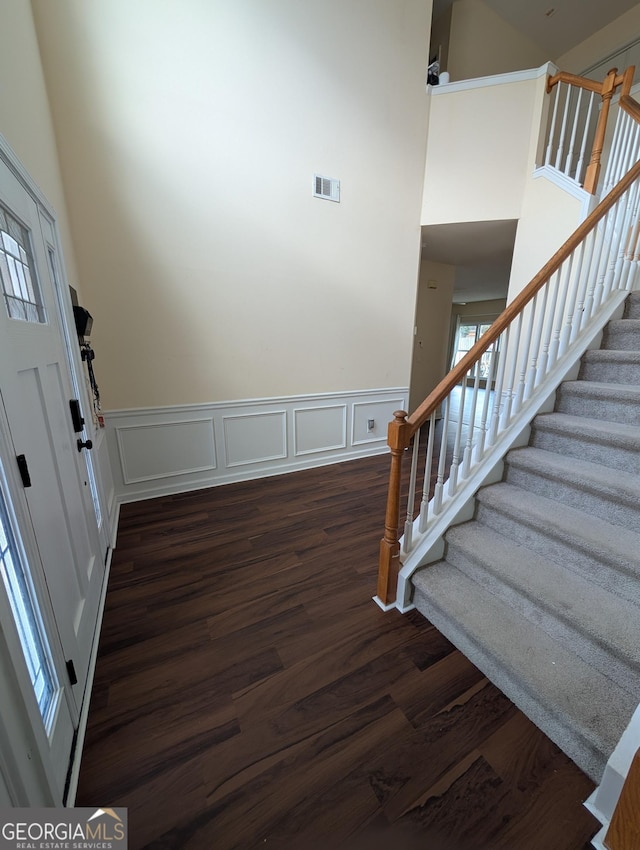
x=87 y=444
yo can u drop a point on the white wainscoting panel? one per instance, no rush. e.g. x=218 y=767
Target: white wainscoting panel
x=255 y=437
x=319 y=429
x=159 y=450
x=381 y=412
x=164 y=450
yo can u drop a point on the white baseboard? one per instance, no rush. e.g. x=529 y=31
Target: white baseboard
x=166 y=450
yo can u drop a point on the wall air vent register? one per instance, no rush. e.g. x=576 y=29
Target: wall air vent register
x=326 y=187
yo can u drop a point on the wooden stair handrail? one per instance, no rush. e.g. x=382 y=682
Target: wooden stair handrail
x=575 y=80
x=587 y=83
x=630 y=106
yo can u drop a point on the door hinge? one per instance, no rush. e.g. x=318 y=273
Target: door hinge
x=24 y=470
x=71 y=672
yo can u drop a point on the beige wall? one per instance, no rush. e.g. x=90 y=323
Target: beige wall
x=481 y=43
x=479 y=151
x=439 y=45
x=433 y=319
x=609 y=39
x=189 y=134
x=25 y=119
x=549 y=217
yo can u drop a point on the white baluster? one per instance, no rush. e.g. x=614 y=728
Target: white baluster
x=554 y=285
x=615 y=151
x=565 y=279
x=489 y=394
x=572 y=141
x=552 y=129
x=505 y=352
x=532 y=379
x=468 y=449
x=523 y=353
x=628 y=246
x=455 y=461
x=585 y=136
x=507 y=405
x=626 y=225
x=438 y=491
x=581 y=287
x=563 y=129
x=574 y=284
x=424 y=504
x=624 y=208
x=407 y=542
x=598 y=268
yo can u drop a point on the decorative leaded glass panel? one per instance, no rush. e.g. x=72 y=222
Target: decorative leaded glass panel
x=17 y=271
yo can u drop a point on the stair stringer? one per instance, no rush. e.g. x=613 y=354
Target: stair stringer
x=458 y=508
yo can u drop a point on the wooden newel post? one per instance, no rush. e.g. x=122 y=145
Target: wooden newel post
x=389 y=564
x=593 y=169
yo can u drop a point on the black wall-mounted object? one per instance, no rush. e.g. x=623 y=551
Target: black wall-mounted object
x=24 y=470
x=83 y=319
x=76 y=415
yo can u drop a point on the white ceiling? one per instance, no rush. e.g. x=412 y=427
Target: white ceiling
x=480 y=250
x=571 y=22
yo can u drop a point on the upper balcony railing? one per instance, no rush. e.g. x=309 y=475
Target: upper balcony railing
x=577 y=128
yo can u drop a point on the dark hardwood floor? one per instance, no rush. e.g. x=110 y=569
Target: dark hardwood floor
x=249 y=693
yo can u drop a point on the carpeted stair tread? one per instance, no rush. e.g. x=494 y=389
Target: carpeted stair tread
x=600 y=627
x=580 y=709
x=610 y=365
x=582 y=542
x=599 y=400
x=614 y=444
x=622 y=334
x=612 y=494
x=589 y=428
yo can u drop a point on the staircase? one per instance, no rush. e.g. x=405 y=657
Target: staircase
x=542 y=588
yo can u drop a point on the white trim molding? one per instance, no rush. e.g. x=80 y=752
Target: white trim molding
x=494 y=80
x=570 y=186
x=163 y=450
x=603 y=801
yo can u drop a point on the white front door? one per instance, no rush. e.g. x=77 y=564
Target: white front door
x=36 y=385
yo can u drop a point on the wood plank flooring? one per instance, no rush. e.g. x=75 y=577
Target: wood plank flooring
x=249 y=693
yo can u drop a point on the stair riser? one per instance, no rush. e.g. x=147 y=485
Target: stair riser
x=621 y=339
x=607 y=408
x=610 y=373
x=624 y=456
x=617 y=577
x=622 y=670
x=603 y=505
